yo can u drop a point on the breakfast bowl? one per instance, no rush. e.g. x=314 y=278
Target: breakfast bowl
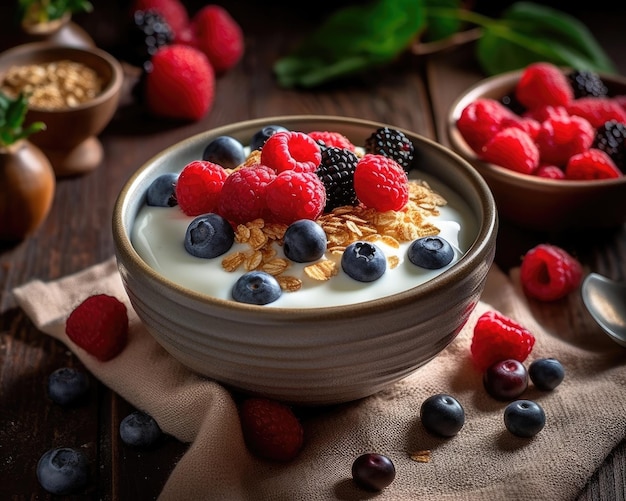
x=73 y=90
x=333 y=341
x=528 y=200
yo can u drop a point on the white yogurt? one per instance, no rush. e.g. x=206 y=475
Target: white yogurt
x=159 y=232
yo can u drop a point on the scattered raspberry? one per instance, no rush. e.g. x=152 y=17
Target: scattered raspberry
x=173 y=11
x=381 y=183
x=560 y=138
x=591 y=164
x=543 y=84
x=218 y=35
x=270 y=429
x=291 y=150
x=99 y=325
x=549 y=273
x=331 y=138
x=597 y=110
x=513 y=149
x=180 y=84
x=242 y=198
x=496 y=338
x=294 y=195
x=550 y=172
x=481 y=120
x=198 y=187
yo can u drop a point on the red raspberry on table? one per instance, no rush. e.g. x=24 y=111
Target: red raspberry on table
x=597 y=110
x=173 y=11
x=543 y=84
x=99 y=325
x=548 y=273
x=481 y=119
x=180 y=84
x=291 y=150
x=242 y=198
x=381 y=183
x=497 y=337
x=331 y=138
x=219 y=36
x=513 y=149
x=550 y=172
x=198 y=187
x=294 y=195
x=590 y=165
x=562 y=137
x=270 y=429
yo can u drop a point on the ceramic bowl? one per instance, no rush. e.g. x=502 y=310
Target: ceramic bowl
x=309 y=356
x=70 y=139
x=532 y=202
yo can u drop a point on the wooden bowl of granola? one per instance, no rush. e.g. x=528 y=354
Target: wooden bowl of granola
x=73 y=90
x=332 y=339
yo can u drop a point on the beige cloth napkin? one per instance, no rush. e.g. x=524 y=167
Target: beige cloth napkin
x=586 y=414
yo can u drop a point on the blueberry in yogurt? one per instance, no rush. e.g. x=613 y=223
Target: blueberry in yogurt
x=304 y=241
x=225 y=151
x=162 y=191
x=209 y=236
x=256 y=287
x=432 y=252
x=364 y=261
x=262 y=135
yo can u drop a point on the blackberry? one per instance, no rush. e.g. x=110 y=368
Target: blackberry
x=336 y=171
x=611 y=138
x=587 y=83
x=393 y=144
x=149 y=32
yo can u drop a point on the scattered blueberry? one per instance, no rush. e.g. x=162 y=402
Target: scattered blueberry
x=546 y=373
x=431 y=253
x=209 y=236
x=162 y=191
x=524 y=418
x=506 y=380
x=259 y=138
x=67 y=385
x=373 y=471
x=138 y=429
x=304 y=241
x=363 y=261
x=256 y=287
x=225 y=151
x=63 y=471
x=442 y=415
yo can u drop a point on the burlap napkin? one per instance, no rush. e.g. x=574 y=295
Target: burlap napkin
x=585 y=414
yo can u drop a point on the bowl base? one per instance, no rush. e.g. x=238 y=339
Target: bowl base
x=83 y=158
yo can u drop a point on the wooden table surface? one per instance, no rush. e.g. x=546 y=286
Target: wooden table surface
x=414 y=94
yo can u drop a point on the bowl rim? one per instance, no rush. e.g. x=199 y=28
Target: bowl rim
x=481 y=247
x=460 y=146
x=112 y=88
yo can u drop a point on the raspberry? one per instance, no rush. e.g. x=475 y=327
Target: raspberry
x=381 y=183
x=199 y=186
x=591 y=164
x=550 y=172
x=513 y=149
x=270 y=429
x=560 y=138
x=290 y=150
x=393 y=144
x=294 y=195
x=597 y=110
x=548 y=273
x=173 y=11
x=543 y=84
x=99 y=325
x=334 y=139
x=542 y=113
x=496 y=338
x=481 y=120
x=242 y=198
x=337 y=173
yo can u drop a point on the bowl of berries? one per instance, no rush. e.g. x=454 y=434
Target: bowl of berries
x=310 y=259
x=551 y=144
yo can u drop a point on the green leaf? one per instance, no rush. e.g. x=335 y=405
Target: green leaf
x=12 y=115
x=439 y=27
x=352 y=39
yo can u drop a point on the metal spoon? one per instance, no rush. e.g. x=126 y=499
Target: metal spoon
x=606 y=301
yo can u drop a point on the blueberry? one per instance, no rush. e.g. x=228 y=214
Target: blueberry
x=363 y=261
x=304 y=241
x=225 y=151
x=373 y=471
x=138 y=429
x=256 y=287
x=442 y=415
x=546 y=373
x=524 y=418
x=506 y=380
x=67 y=385
x=209 y=236
x=63 y=471
x=259 y=138
x=431 y=253
x=162 y=191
